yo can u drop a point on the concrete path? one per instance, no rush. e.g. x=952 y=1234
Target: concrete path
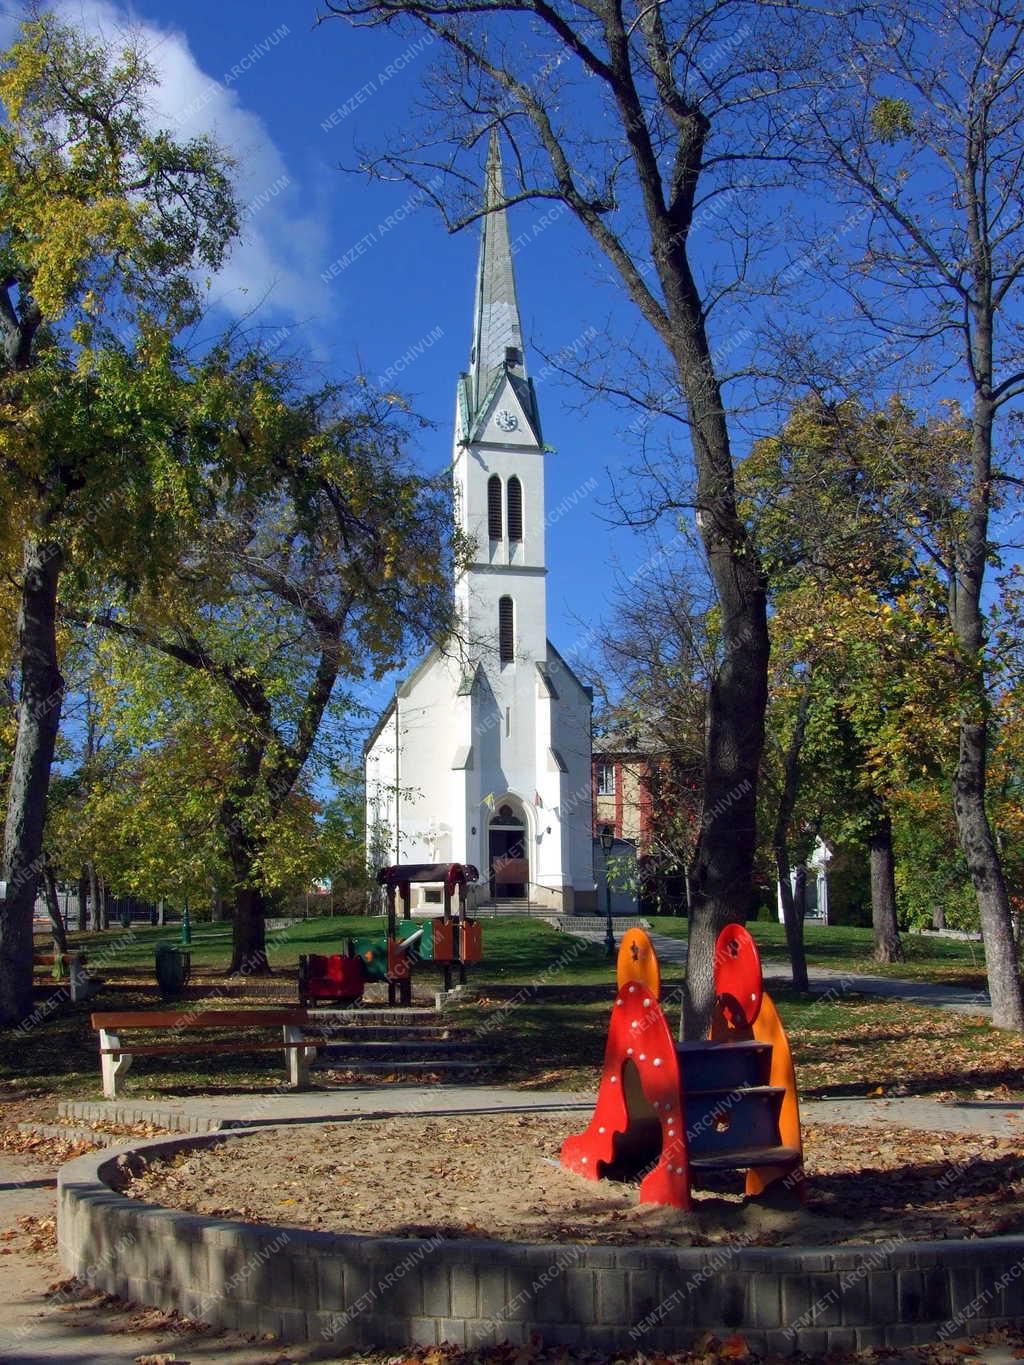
x=960 y=999
x=995 y=1118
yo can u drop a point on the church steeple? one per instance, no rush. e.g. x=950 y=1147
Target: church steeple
x=497 y=331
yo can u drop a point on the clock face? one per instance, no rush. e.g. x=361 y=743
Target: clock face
x=506 y=420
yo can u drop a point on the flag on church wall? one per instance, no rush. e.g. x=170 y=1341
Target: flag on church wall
x=537 y=801
x=488 y=801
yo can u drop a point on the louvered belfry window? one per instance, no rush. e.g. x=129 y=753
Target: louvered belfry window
x=515 y=509
x=494 y=507
x=506 y=630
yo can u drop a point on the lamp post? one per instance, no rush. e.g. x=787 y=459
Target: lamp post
x=607 y=844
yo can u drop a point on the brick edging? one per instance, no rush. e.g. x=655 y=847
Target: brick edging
x=360 y=1291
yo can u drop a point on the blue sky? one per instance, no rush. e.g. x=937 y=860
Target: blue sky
x=360 y=276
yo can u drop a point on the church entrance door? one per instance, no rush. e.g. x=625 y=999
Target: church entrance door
x=509 y=861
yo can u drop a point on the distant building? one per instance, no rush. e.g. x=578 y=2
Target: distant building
x=637 y=798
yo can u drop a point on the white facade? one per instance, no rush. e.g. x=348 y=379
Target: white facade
x=816 y=892
x=484 y=754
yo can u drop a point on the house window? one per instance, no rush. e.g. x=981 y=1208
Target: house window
x=606 y=779
x=515 y=509
x=494 y=507
x=506 y=630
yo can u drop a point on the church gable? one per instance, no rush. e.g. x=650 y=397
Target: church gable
x=507 y=416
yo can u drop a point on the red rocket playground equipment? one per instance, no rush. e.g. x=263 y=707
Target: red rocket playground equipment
x=681 y=1109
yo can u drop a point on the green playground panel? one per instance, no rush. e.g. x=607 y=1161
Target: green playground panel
x=373 y=948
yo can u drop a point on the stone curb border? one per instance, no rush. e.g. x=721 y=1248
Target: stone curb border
x=344 y=1290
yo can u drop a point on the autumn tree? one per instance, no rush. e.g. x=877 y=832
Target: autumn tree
x=314 y=559
x=914 y=128
x=858 y=627
x=103 y=225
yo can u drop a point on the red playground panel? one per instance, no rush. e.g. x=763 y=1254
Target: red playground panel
x=331 y=977
x=444 y=940
x=677 y=1109
x=471 y=948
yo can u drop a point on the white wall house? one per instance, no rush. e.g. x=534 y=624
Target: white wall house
x=483 y=755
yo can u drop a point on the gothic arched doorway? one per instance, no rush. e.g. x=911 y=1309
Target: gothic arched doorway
x=508 y=858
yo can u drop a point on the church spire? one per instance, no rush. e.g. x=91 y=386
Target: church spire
x=497 y=332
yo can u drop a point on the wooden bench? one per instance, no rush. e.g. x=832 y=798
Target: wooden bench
x=50 y=959
x=116 y=1057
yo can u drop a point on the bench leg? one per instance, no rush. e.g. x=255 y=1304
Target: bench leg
x=112 y=1067
x=297 y=1059
x=79 y=980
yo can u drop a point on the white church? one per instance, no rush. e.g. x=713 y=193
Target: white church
x=483 y=755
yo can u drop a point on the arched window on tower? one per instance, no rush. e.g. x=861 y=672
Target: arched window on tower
x=515 y=509
x=494 y=507
x=506 y=630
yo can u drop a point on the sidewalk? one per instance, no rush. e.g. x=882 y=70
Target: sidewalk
x=960 y=999
x=204 y=1115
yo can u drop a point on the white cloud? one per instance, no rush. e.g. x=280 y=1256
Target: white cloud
x=271 y=266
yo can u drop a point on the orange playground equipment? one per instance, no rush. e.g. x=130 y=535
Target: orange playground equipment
x=676 y=1110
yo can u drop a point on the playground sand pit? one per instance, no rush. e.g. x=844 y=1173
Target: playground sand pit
x=497 y=1176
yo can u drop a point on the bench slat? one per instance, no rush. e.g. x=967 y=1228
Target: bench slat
x=173 y=1049
x=189 y=1019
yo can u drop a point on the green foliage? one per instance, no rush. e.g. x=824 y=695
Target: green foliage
x=891 y=119
x=836 y=499
x=931 y=872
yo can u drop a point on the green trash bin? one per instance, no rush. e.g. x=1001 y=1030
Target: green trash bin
x=173 y=968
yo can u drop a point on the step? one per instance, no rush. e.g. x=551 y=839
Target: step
x=748 y=1156
x=389 y=1033
x=412 y=1068
x=721 y=1121
x=416 y=1017
x=400 y=1050
x=707 y=1066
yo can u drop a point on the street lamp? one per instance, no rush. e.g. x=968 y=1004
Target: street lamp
x=607 y=844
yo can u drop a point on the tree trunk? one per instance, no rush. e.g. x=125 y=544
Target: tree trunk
x=792 y=914
x=57 y=926
x=83 y=902
x=161 y=912
x=249 y=938
x=973 y=829
x=104 y=904
x=94 y=897
x=216 y=904
x=975 y=835
x=40 y=697
x=734 y=735
x=888 y=947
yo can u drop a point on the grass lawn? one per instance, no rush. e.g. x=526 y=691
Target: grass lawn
x=956 y=961
x=516 y=950
x=845 y=1045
